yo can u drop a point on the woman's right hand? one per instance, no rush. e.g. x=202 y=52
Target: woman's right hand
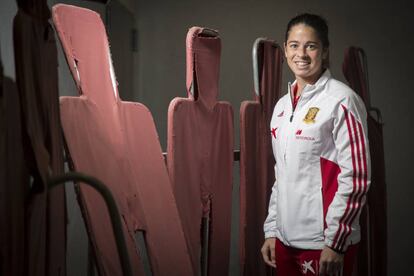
x=269 y=252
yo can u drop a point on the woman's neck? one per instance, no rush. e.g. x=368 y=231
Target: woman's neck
x=301 y=82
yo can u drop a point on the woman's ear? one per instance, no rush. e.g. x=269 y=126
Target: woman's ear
x=325 y=58
x=325 y=53
x=285 y=49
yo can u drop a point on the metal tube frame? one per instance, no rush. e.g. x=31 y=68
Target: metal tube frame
x=255 y=50
x=364 y=62
x=112 y=208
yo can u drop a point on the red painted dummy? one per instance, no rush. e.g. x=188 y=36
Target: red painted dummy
x=200 y=152
x=14 y=181
x=37 y=81
x=372 y=257
x=116 y=142
x=256 y=158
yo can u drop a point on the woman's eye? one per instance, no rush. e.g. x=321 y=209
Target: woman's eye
x=293 y=46
x=311 y=46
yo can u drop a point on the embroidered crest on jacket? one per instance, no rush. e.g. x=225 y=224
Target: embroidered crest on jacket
x=310 y=116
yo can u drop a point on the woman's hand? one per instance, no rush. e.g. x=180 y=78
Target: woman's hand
x=331 y=262
x=269 y=252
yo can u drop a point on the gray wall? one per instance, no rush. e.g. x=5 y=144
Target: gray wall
x=383 y=28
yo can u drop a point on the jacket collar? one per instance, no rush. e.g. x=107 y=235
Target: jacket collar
x=310 y=89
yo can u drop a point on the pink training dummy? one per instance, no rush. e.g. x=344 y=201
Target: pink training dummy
x=200 y=155
x=256 y=161
x=116 y=141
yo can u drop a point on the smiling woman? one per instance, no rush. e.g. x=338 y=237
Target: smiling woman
x=307 y=48
x=305 y=53
x=322 y=162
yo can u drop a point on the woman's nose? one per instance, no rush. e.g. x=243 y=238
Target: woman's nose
x=302 y=51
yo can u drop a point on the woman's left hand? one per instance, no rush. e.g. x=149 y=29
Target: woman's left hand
x=331 y=262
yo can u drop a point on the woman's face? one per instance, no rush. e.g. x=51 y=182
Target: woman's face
x=304 y=53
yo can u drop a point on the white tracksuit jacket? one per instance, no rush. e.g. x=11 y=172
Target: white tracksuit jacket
x=322 y=167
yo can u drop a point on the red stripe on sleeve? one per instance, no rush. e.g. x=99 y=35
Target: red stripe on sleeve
x=364 y=173
x=355 y=206
x=351 y=198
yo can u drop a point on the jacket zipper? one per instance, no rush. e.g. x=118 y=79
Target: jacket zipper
x=291 y=102
x=292 y=115
x=290 y=121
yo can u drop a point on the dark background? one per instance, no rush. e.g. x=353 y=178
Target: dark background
x=151 y=70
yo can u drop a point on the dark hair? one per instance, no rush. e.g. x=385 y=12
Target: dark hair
x=317 y=22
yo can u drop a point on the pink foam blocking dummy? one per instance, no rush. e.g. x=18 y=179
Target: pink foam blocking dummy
x=35 y=55
x=372 y=255
x=200 y=152
x=14 y=181
x=354 y=72
x=116 y=142
x=256 y=159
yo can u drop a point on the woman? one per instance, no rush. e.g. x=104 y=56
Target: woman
x=319 y=139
